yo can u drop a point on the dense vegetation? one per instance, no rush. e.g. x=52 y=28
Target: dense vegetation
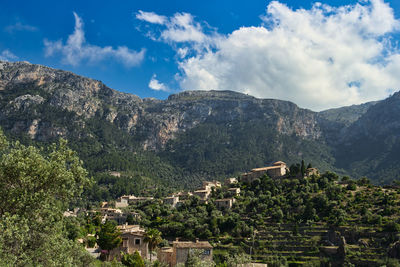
x=291 y=220
x=35 y=189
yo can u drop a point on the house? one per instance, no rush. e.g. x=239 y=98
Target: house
x=165 y=255
x=113 y=214
x=203 y=194
x=125 y=200
x=137 y=200
x=231 y=181
x=122 y=202
x=207 y=185
x=312 y=171
x=132 y=240
x=180 y=251
x=172 y=201
x=277 y=170
x=225 y=203
x=234 y=191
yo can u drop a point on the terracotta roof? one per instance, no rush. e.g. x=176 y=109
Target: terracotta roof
x=279 y=163
x=188 y=244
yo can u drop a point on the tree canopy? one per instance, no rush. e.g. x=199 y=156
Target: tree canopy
x=36 y=187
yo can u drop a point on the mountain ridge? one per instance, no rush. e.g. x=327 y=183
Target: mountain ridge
x=190 y=130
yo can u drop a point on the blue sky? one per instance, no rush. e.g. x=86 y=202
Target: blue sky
x=316 y=55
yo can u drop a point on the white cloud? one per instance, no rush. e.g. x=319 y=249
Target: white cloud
x=151 y=17
x=77 y=49
x=318 y=58
x=156 y=85
x=18 y=26
x=182 y=52
x=180 y=28
x=7 y=55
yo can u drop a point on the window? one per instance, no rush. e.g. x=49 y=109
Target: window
x=206 y=252
x=137 y=241
x=125 y=243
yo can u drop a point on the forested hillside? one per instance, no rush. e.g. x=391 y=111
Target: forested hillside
x=191 y=136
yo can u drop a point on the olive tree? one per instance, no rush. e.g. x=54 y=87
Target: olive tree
x=36 y=186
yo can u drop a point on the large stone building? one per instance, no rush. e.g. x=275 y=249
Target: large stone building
x=180 y=251
x=278 y=169
x=203 y=194
x=132 y=240
x=225 y=203
x=113 y=214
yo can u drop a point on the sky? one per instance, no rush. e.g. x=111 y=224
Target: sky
x=318 y=55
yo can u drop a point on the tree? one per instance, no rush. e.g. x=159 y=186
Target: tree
x=194 y=259
x=132 y=260
x=109 y=236
x=303 y=168
x=153 y=237
x=36 y=186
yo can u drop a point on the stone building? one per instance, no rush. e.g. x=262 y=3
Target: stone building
x=225 y=203
x=172 y=201
x=277 y=170
x=207 y=185
x=132 y=240
x=180 y=251
x=231 y=181
x=312 y=171
x=203 y=194
x=125 y=201
x=234 y=191
x=113 y=214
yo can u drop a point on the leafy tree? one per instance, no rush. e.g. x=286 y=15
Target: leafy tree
x=132 y=260
x=109 y=236
x=36 y=186
x=194 y=259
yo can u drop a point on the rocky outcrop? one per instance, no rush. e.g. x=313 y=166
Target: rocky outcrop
x=43 y=103
x=155 y=121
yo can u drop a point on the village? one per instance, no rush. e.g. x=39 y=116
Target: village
x=133 y=235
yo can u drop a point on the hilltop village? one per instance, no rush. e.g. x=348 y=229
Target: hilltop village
x=177 y=251
x=273 y=215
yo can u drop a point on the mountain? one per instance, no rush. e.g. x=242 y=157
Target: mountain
x=188 y=137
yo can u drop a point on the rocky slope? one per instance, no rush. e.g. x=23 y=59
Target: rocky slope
x=202 y=133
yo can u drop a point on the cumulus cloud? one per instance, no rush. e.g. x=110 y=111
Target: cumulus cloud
x=77 y=49
x=319 y=58
x=156 y=85
x=7 y=55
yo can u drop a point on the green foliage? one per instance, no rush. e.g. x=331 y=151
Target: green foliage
x=132 y=260
x=36 y=186
x=153 y=238
x=194 y=259
x=109 y=236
